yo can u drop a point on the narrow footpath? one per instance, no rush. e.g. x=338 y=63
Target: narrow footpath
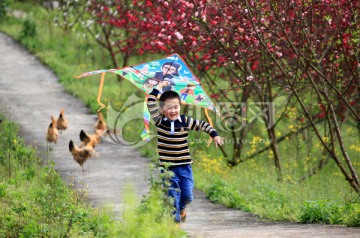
x=30 y=93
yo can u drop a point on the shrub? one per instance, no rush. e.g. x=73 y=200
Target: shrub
x=4 y=8
x=28 y=34
x=321 y=212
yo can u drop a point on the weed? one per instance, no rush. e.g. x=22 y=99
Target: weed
x=321 y=212
x=35 y=202
x=28 y=34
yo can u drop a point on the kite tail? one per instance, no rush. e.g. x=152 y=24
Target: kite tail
x=210 y=122
x=145 y=135
x=100 y=92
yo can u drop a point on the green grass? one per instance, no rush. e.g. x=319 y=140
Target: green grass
x=251 y=186
x=36 y=202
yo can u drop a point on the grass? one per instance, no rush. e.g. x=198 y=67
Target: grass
x=36 y=202
x=252 y=185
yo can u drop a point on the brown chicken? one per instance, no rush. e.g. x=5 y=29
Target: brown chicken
x=91 y=140
x=100 y=124
x=52 y=132
x=80 y=155
x=62 y=122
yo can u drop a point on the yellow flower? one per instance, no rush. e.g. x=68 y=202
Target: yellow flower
x=354 y=147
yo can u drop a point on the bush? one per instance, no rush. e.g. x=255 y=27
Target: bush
x=28 y=34
x=4 y=8
x=321 y=212
x=221 y=192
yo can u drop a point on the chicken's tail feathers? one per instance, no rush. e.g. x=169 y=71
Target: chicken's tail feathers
x=83 y=135
x=53 y=121
x=71 y=146
x=61 y=115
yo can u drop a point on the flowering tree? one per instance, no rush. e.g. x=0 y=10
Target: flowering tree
x=261 y=51
x=109 y=23
x=264 y=49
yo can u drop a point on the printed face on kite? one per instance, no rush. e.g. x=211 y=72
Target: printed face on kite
x=171 y=68
x=168 y=69
x=171 y=108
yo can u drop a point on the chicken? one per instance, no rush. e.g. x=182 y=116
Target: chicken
x=62 y=122
x=52 y=132
x=91 y=140
x=100 y=124
x=80 y=155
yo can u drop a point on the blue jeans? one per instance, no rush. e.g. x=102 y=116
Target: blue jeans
x=182 y=184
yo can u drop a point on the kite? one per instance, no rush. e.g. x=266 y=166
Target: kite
x=146 y=76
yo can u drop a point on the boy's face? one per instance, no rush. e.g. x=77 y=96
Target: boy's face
x=167 y=69
x=171 y=109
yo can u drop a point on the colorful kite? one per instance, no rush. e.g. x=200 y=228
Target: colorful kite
x=147 y=75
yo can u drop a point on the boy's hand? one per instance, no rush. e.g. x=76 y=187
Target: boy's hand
x=218 y=141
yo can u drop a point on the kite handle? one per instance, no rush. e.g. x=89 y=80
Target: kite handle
x=100 y=92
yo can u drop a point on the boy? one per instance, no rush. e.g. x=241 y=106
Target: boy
x=172 y=130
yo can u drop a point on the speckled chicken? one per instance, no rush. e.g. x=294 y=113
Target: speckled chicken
x=91 y=140
x=81 y=155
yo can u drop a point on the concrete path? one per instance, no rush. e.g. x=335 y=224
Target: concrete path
x=30 y=94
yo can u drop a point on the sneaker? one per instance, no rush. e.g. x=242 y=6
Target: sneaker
x=183 y=215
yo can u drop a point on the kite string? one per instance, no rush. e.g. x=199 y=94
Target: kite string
x=100 y=92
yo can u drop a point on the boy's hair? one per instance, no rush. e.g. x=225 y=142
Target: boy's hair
x=168 y=95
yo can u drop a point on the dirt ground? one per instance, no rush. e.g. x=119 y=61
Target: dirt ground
x=30 y=94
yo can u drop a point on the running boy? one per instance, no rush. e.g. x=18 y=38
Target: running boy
x=172 y=130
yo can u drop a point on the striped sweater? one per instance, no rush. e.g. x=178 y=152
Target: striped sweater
x=174 y=149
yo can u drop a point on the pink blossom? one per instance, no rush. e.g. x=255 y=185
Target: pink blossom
x=279 y=54
x=166 y=4
x=178 y=35
x=250 y=78
x=158 y=43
